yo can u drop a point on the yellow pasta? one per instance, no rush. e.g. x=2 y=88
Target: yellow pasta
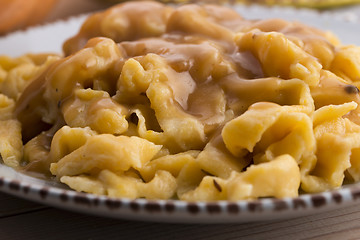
x=192 y=103
x=346 y=63
x=10 y=142
x=336 y=139
x=268 y=130
x=87 y=109
x=106 y=151
x=11 y=146
x=278 y=56
x=162 y=186
x=253 y=183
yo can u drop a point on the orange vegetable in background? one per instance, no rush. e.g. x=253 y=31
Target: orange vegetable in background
x=18 y=14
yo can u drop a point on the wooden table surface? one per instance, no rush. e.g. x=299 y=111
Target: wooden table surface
x=22 y=219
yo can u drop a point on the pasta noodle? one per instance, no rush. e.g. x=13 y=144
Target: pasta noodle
x=192 y=103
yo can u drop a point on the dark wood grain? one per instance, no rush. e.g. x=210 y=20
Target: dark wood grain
x=10 y=206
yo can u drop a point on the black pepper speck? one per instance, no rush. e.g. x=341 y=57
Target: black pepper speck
x=351 y=89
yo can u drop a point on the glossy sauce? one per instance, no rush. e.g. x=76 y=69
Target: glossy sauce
x=208 y=75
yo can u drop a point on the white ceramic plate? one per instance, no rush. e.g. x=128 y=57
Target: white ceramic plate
x=49 y=38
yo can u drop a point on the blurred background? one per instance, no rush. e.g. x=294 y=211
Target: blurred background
x=20 y=14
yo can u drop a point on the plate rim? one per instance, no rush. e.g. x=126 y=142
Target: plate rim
x=179 y=211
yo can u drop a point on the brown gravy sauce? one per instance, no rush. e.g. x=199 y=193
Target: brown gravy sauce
x=195 y=41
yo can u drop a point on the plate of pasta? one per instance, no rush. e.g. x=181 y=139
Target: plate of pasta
x=191 y=113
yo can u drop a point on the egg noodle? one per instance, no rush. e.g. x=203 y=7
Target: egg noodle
x=192 y=103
